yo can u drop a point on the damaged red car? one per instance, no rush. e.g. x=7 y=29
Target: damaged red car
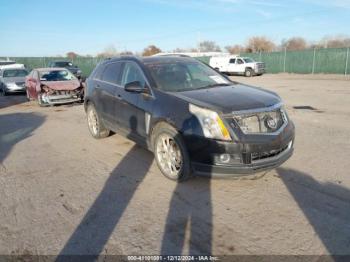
x=50 y=86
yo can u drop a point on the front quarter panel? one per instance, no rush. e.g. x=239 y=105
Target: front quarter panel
x=174 y=111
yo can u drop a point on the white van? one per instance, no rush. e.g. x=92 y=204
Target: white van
x=237 y=65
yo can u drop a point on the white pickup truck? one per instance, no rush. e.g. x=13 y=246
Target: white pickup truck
x=237 y=65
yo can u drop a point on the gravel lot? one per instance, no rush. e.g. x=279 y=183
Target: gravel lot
x=62 y=192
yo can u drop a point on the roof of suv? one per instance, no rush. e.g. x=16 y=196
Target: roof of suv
x=154 y=59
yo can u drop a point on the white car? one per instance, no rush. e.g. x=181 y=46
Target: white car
x=237 y=65
x=12 y=81
x=8 y=64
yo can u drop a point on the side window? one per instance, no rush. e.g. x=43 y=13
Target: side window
x=111 y=73
x=233 y=61
x=240 y=61
x=97 y=73
x=132 y=73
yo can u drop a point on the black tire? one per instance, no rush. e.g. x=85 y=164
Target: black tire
x=99 y=130
x=184 y=172
x=41 y=103
x=2 y=91
x=28 y=96
x=248 y=72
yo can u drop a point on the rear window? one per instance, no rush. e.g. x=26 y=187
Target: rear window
x=111 y=74
x=63 y=64
x=15 y=73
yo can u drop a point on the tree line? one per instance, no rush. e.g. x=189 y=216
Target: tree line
x=253 y=44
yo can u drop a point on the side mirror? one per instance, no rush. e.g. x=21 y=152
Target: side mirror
x=134 y=87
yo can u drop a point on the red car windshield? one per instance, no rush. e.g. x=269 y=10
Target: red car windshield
x=57 y=75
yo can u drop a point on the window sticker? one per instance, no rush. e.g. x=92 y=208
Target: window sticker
x=218 y=79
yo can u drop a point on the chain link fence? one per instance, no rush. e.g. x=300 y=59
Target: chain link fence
x=312 y=61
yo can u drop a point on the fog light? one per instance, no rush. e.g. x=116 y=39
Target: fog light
x=225 y=158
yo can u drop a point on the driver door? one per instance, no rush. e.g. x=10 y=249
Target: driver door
x=131 y=107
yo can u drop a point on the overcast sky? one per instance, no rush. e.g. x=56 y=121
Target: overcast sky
x=44 y=28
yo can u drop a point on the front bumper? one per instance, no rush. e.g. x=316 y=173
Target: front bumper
x=259 y=71
x=60 y=99
x=249 y=155
x=241 y=169
x=15 y=89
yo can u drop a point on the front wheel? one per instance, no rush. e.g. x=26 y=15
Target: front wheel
x=2 y=92
x=170 y=153
x=41 y=103
x=96 y=127
x=28 y=95
x=248 y=72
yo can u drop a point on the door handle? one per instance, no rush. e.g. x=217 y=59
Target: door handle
x=97 y=86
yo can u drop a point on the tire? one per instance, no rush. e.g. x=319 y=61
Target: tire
x=248 y=72
x=2 y=92
x=96 y=126
x=179 y=167
x=41 y=102
x=28 y=96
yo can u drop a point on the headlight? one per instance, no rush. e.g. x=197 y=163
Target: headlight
x=211 y=123
x=11 y=84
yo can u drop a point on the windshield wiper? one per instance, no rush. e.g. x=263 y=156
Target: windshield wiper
x=214 y=85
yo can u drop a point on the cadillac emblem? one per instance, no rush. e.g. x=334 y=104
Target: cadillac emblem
x=271 y=123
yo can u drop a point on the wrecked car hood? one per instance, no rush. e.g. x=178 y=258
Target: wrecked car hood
x=62 y=85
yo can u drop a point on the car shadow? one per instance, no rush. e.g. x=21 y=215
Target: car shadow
x=11 y=100
x=326 y=206
x=99 y=222
x=190 y=210
x=94 y=230
x=16 y=127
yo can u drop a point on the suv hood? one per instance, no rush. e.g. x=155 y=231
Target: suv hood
x=226 y=99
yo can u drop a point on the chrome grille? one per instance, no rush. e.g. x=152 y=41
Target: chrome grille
x=262 y=122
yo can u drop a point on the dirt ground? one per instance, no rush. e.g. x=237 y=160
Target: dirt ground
x=63 y=192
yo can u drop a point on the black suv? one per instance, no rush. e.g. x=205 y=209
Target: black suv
x=75 y=70
x=195 y=120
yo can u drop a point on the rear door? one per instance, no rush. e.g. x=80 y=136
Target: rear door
x=107 y=91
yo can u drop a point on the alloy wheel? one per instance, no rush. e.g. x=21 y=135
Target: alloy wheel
x=92 y=121
x=169 y=155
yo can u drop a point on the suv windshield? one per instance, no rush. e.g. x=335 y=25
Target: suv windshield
x=63 y=64
x=248 y=60
x=56 y=75
x=15 y=73
x=185 y=76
